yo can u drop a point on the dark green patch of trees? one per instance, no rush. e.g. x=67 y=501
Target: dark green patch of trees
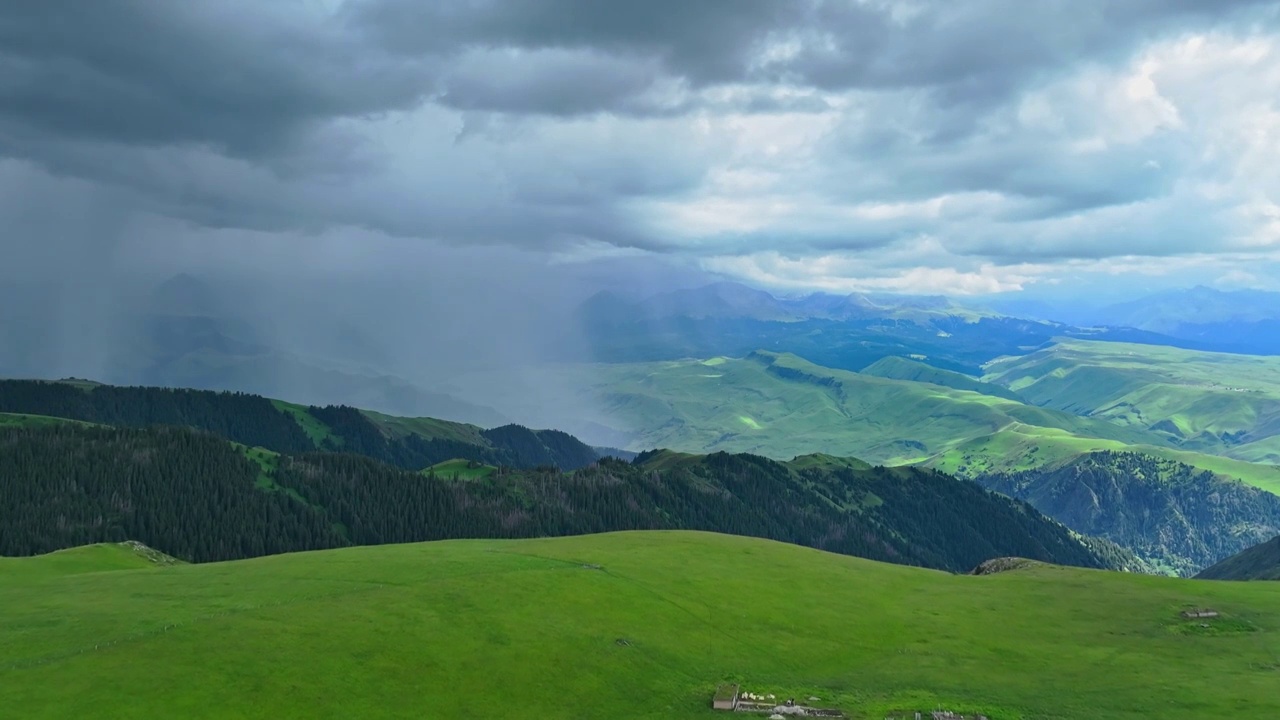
x=186 y=493
x=193 y=495
x=1166 y=512
x=248 y=419
x=255 y=421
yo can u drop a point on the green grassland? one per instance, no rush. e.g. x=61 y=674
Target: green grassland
x=390 y=425
x=1266 y=450
x=461 y=469
x=625 y=625
x=86 y=559
x=427 y=428
x=1020 y=448
x=1209 y=402
x=895 y=412
x=28 y=420
x=782 y=406
x=900 y=368
x=316 y=430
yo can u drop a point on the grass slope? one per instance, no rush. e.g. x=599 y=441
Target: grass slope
x=461 y=470
x=634 y=625
x=1211 y=402
x=781 y=406
x=29 y=420
x=101 y=557
x=900 y=368
x=312 y=426
x=1019 y=448
x=426 y=428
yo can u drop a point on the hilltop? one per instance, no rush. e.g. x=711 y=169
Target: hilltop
x=637 y=625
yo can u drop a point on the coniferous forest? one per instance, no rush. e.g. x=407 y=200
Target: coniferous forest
x=199 y=497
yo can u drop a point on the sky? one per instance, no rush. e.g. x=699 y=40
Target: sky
x=976 y=148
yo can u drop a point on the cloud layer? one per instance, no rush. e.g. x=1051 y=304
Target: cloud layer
x=918 y=146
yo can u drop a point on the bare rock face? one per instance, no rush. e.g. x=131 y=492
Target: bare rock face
x=1004 y=564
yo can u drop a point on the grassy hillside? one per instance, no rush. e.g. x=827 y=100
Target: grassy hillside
x=255 y=421
x=782 y=406
x=900 y=368
x=1018 y=448
x=627 y=625
x=29 y=420
x=101 y=557
x=1210 y=402
x=461 y=470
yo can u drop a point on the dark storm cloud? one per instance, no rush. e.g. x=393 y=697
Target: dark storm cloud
x=972 y=52
x=234 y=75
x=272 y=116
x=247 y=77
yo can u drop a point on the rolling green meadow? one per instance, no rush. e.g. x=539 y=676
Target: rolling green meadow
x=780 y=405
x=461 y=469
x=1209 y=402
x=899 y=411
x=636 y=625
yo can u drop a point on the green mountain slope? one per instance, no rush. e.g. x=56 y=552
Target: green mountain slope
x=1019 y=448
x=410 y=443
x=1260 y=562
x=201 y=498
x=627 y=625
x=780 y=405
x=102 y=557
x=1180 y=518
x=900 y=368
x=1209 y=402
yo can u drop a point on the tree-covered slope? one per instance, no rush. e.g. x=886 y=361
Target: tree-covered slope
x=1260 y=562
x=200 y=498
x=626 y=625
x=410 y=443
x=1179 y=518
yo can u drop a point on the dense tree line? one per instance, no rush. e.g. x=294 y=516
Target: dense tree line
x=199 y=498
x=509 y=445
x=248 y=419
x=187 y=493
x=1169 y=513
x=255 y=421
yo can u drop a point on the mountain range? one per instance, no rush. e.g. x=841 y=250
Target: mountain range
x=95 y=463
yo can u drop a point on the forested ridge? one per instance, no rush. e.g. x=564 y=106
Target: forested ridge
x=258 y=422
x=198 y=497
x=1177 y=517
x=1260 y=562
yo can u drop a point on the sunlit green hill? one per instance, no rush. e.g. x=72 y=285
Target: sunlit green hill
x=1202 y=401
x=626 y=625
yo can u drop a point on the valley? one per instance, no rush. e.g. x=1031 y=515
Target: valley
x=1038 y=417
